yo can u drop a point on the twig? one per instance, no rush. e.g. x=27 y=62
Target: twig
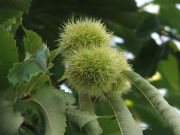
x=25 y=97
x=169 y=34
x=60 y=82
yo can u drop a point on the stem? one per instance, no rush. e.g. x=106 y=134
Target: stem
x=60 y=82
x=25 y=97
x=169 y=34
x=92 y=127
x=167 y=112
x=124 y=118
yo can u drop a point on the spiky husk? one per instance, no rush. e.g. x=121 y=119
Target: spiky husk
x=82 y=33
x=94 y=70
x=121 y=85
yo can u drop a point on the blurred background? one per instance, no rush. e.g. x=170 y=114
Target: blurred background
x=147 y=30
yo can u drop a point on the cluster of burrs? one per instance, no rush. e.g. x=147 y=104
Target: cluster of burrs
x=93 y=67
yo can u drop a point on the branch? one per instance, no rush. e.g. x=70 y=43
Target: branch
x=25 y=97
x=169 y=34
x=60 y=82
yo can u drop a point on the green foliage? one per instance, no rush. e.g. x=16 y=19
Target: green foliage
x=13 y=8
x=80 y=117
x=32 y=102
x=172 y=76
x=167 y=112
x=53 y=109
x=32 y=42
x=8 y=55
x=168 y=13
x=126 y=123
x=23 y=72
x=10 y=118
x=92 y=127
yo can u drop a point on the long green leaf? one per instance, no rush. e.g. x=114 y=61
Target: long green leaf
x=8 y=55
x=124 y=118
x=53 y=108
x=10 y=119
x=167 y=112
x=92 y=127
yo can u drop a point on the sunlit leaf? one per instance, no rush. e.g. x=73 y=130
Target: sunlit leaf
x=23 y=72
x=10 y=118
x=80 y=117
x=53 y=109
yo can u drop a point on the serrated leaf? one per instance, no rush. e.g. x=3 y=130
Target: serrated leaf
x=68 y=98
x=32 y=41
x=23 y=72
x=36 y=82
x=53 y=109
x=10 y=119
x=8 y=55
x=33 y=118
x=81 y=117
